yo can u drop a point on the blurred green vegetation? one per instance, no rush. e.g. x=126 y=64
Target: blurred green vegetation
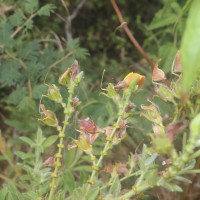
x=39 y=41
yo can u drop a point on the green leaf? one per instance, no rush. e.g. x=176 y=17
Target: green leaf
x=9 y=73
x=190 y=165
x=190 y=47
x=38 y=90
x=164 y=17
x=29 y=50
x=16 y=96
x=73 y=44
x=167 y=53
x=115 y=187
x=92 y=194
x=21 y=120
x=28 y=25
x=31 y=5
x=26 y=104
x=151 y=159
x=35 y=69
x=49 y=141
x=46 y=10
x=151 y=177
x=81 y=53
x=111 y=91
x=5 y=33
x=182 y=179
x=79 y=193
x=27 y=140
x=69 y=181
x=48 y=57
x=195 y=127
x=3 y=192
x=23 y=155
x=39 y=139
x=11 y=193
x=172 y=187
x=16 y=19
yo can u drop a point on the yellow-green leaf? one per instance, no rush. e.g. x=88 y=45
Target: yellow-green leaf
x=190 y=47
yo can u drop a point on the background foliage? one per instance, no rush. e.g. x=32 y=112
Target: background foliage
x=40 y=39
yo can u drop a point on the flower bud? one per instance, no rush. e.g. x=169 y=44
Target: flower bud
x=120 y=85
x=152 y=113
x=75 y=102
x=78 y=78
x=130 y=106
x=54 y=93
x=87 y=125
x=48 y=117
x=65 y=77
x=72 y=73
x=75 y=70
x=165 y=93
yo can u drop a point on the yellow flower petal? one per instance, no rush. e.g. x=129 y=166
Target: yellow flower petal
x=132 y=76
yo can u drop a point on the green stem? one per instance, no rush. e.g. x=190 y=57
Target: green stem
x=106 y=148
x=133 y=192
x=125 y=100
x=67 y=110
x=122 y=179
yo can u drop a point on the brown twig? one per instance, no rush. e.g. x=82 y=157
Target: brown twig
x=130 y=35
x=70 y=17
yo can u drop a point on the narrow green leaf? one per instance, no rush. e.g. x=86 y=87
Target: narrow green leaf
x=193 y=171
x=3 y=193
x=172 y=187
x=39 y=138
x=190 y=47
x=195 y=127
x=92 y=194
x=23 y=155
x=115 y=187
x=151 y=159
x=69 y=181
x=182 y=179
x=49 y=141
x=27 y=140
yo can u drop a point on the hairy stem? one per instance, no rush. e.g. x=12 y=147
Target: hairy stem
x=60 y=145
x=109 y=142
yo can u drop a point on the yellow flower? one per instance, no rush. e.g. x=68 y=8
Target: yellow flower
x=134 y=76
x=83 y=144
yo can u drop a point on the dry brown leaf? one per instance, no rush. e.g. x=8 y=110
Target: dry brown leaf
x=176 y=66
x=158 y=74
x=175 y=128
